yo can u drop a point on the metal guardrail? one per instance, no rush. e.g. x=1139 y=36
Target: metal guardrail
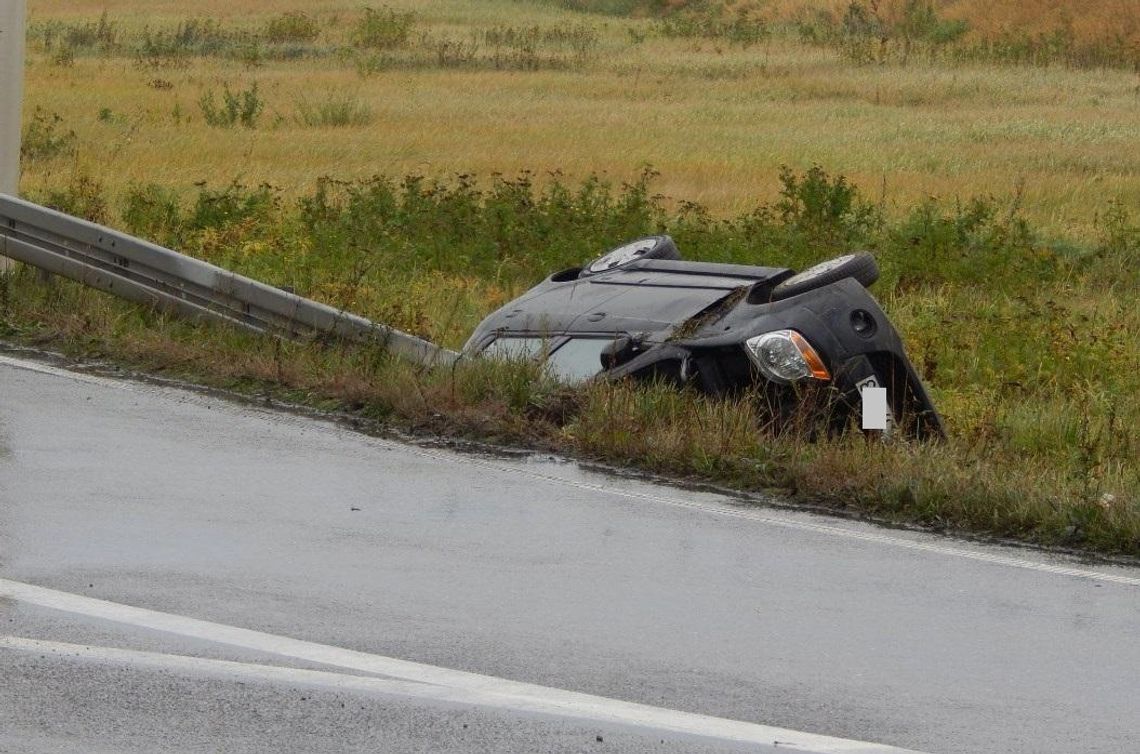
x=134 y=269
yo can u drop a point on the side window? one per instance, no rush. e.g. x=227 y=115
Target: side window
x=517 y=349
x=579 y=359
x=575 y=360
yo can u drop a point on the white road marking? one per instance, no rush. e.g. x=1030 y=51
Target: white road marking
x=403 y=677
x=764 y=516
x=31 y=366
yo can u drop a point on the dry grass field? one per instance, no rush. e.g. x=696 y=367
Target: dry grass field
x=716 y=119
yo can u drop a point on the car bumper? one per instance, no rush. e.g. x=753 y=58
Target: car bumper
x=827 y=318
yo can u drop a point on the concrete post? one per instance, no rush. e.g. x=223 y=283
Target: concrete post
x=13 y=14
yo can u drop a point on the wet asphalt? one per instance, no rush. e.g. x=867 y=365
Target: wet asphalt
x=525 y=568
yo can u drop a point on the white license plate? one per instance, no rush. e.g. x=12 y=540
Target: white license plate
x=876 y=412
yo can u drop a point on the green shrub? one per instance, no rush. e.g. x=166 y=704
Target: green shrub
x=83 y=197
x=972 y=242
x=384 y=29
x=742 y=28
x=828 y=210
x=334 y=111
x=101 y=36
x=242 y=107
x=295 y=26
x=220 y=209
x=533 y=47
x=45 y=137
x=195 y=37
x=152 y=211
x=510 y=231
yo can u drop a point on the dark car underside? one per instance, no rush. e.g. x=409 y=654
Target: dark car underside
x=703 y=325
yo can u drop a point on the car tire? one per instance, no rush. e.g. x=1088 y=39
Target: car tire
x=649 y=247
x=859 y=265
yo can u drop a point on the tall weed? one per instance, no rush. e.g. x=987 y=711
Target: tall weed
x=334 y=111
x=242 y=107
x=291 y=27
x=45 y=136
x=384 y=29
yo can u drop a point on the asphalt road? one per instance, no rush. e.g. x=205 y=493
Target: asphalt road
x=181 y=572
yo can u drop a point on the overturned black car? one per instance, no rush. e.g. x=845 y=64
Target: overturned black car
x=806 y=343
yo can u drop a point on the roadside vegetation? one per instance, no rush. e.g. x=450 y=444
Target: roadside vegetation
x=1028 y=344
x=480 y=147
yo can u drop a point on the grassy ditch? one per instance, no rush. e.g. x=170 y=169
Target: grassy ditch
x=1027 y=343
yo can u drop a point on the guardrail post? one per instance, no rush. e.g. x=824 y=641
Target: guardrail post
x=13 y=14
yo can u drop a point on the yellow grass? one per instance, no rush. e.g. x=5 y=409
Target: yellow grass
x=716 y=120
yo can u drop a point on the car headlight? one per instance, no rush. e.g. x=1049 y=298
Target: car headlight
x=785 y=356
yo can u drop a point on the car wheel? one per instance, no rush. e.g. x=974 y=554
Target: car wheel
x=859 y=265
x=650 y=247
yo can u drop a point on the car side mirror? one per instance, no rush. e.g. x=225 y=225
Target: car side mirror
x=618 y=352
